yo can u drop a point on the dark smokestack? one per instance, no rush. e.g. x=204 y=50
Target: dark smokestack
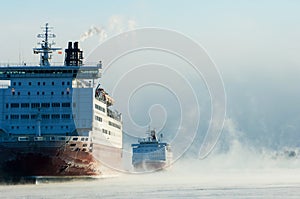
x=76 y=45
x=73 y=56
x=70 y=45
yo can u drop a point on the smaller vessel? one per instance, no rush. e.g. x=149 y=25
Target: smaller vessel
x=151 y=154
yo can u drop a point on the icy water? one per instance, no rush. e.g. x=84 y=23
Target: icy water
x=230 y=185
x=188 y=179
x=241 y=172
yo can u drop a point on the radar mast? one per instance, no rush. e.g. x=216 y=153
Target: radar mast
x=45 y=50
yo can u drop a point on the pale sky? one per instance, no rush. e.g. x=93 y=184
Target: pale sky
x=233 y=32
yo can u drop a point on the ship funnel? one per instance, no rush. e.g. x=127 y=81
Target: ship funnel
x=70 y=45
x=73 y=55
x=76 y=45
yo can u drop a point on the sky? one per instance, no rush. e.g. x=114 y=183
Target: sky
x=254 y=44
x=227 y=29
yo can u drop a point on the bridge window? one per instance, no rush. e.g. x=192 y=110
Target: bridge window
x=24 y=105
x=66 y=104
x=55 y=104
x=14 y=117
x=45 y=105
x=14 y=105
x=45 y=116
x=65 y=116
x=35 y=105
x=24 y=116
x=55 y=116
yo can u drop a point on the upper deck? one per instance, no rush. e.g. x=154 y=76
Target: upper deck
x=79 y=72
x=72 y=67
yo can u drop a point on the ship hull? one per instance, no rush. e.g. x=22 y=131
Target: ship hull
x=150 y=166
x=46 y=162
x=53 y=159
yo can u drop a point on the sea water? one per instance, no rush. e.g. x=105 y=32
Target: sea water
x=247 y=175
x=251 y=184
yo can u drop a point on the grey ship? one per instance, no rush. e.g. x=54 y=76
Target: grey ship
x=151 y=154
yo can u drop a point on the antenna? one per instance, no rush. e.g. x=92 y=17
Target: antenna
x=45 y=48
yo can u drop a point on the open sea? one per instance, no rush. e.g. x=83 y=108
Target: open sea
x=190 y=178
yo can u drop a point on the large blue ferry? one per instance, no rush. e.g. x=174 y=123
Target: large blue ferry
x=56 y=120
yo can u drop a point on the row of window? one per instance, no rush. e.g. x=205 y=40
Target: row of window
x=38 y=93
x=81 y=139
x=39 y=105
x=100 y=108
x=110 y=133
x=40 y=83
x=98 y=118
x=43 y=127
x=104 y=131
x=109 y=122
x=74 y=144
x=34 y=116
x=114 y=125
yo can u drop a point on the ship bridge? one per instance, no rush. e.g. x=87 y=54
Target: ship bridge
x=79 y=72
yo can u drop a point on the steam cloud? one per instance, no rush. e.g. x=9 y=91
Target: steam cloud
x=116 y=24
x=99 y=31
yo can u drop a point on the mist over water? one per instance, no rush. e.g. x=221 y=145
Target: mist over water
x=238 y=173
x=235 y=169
